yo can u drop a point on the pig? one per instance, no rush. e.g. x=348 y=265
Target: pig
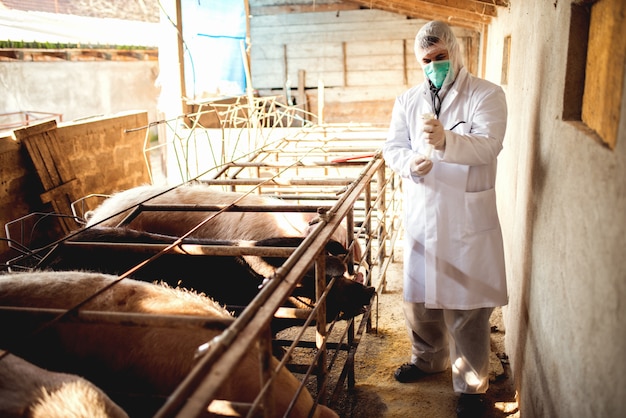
x=150 y=361
x=246 y=274
x=227 y=226
x=28 y=391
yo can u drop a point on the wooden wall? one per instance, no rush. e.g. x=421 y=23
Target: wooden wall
x=102 y=156
x=364 y=58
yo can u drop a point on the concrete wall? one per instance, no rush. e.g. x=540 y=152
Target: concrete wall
x=562 y=201
x=79 y=89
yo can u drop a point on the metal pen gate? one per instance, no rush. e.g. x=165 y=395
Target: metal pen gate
x=336 y=171
x=361 y=194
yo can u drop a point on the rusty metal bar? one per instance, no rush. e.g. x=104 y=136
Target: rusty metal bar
x=210 y=373
x=298 y=342
x=278 y=181
x=190 y=249
x=229 y=208
x=320 y=326
x=202 y=383
x=265 y=353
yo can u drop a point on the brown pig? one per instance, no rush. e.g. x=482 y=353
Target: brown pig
x=28 y=391
x=149 y=361
x=230 y=225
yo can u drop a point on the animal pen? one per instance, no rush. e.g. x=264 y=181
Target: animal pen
x=266 y=148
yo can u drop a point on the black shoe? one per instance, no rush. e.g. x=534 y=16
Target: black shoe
x=408 y=372
x=470 y=405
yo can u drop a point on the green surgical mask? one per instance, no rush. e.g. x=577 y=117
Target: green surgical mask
x=437 y=71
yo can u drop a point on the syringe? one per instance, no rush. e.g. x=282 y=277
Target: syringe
x=428 y=147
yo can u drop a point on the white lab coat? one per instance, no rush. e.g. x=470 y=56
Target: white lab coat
x=453 y=251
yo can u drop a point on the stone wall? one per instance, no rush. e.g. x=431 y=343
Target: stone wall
x=106 y=155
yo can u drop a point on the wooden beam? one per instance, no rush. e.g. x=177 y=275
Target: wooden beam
x=500 y=3
x=484 y=7
x=305 y=8
x=464 y=13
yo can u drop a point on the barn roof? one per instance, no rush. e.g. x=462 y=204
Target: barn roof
x=467 y=13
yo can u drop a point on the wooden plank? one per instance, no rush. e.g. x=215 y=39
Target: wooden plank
x=375 y=62
x=330 y=32
x=34 y=129
x=42 y=146
x=358 y=94
x=367 y=18
x=260 y=52
x=274 y=80
x=315 y=63
x=61 y=199
x=386 y=46
x=458 y=12
x=376 y=78
x=469 y=10
x=338 y=27
x=348 y=33
x=52 y=167
x=287 y=19
x=323 y=64
x=327 y=50
x=301 y=8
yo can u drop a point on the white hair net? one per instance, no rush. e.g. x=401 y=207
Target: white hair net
x=437 y=33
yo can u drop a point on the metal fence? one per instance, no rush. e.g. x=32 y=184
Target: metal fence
x=336 y=171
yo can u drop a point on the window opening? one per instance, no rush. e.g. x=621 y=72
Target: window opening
x=506 y=60
x=595 y=67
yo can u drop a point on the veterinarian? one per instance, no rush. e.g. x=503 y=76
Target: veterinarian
x=444 y=139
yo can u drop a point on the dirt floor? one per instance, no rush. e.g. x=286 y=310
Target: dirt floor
x=378 y=395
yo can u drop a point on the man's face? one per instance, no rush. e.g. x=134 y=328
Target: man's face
x=437 y=52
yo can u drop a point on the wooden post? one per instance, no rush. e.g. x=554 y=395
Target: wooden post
x=301 y=92
x=321 y=332
x=181 y=57
x=320 y=102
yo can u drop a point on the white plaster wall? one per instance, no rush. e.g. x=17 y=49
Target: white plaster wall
x=562 y=203
x=79 y=89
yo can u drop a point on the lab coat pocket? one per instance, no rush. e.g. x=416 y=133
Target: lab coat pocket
x=481 y=213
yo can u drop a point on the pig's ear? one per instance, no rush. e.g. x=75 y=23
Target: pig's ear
x=335 y=248
x=278 y=242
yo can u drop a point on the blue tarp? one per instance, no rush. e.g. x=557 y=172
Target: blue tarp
x=214 y=32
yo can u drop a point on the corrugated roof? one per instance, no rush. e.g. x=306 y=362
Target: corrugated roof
x=139 y=10
x=91 y=32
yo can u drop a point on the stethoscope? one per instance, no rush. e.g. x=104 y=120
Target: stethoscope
x=436 y=101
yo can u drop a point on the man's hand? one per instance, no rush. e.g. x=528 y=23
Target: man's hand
x=420 y=166
x=433 y=134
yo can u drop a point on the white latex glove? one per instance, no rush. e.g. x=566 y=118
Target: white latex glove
x=433 y=134
x=420 y=166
